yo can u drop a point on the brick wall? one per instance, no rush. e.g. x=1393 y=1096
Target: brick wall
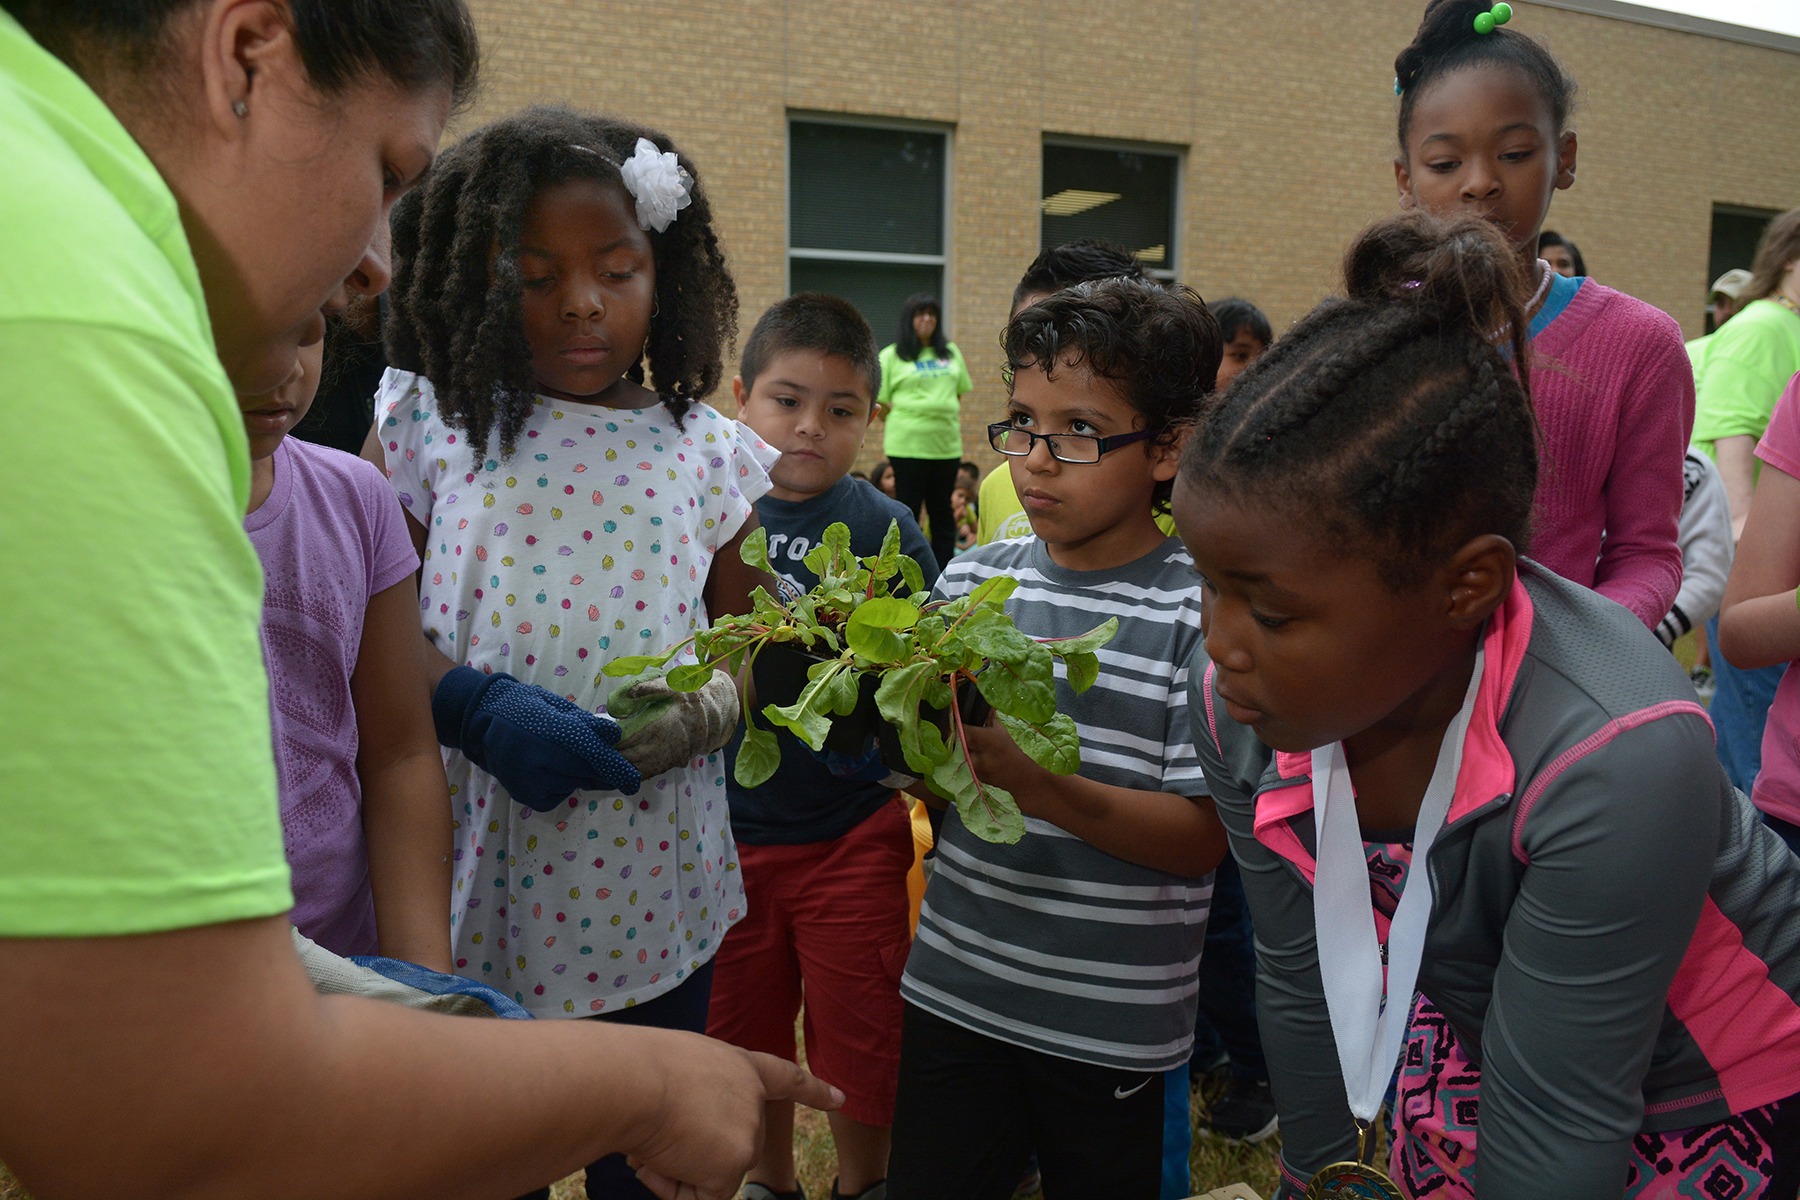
x=1284 y=110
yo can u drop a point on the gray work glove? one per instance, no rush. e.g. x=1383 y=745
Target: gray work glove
x=664 y=729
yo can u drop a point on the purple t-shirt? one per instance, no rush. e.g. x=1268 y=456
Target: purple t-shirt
x=1777 y=788
x=331 y=535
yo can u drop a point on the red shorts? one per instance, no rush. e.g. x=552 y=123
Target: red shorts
x=832 y=916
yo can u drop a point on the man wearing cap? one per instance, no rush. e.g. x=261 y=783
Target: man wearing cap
x=1723 y=301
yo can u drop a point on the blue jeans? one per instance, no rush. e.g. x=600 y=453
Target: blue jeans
x=1227 y=1019
x=1739 y=709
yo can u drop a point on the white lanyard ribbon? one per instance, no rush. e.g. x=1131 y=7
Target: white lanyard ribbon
x=1367 y=1021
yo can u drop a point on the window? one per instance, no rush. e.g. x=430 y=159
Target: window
x=1735 y=232
x=866 y=215
x=1123 y=194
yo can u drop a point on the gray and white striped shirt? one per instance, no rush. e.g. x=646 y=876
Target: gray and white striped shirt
x=1052 y=944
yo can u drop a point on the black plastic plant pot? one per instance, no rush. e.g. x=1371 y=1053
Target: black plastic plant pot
x=975 y=710
x=780 y=672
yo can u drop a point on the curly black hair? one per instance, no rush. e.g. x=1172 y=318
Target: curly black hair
x=1447 y=42
x=1160 y=347
x=1389 y=416
x=1077 y=262
x=454 y=313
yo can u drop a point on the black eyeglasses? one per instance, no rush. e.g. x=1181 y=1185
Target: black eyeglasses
x=1014 y=442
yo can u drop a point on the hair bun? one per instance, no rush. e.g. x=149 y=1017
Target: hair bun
x=1444 y=25
x=1462 y=269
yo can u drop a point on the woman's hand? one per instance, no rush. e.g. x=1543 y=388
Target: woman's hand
x=709 y=1128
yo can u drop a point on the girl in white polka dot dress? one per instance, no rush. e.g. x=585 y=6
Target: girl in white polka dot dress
x=567 y=514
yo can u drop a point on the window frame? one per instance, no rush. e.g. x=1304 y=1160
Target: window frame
x=1170 y=272
x=943 y=260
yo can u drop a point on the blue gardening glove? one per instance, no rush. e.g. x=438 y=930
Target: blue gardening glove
x=538 y=745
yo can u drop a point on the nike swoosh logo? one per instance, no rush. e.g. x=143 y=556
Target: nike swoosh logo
x=1120 y=1093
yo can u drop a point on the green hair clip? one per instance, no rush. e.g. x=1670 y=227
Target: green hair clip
x=1492 y=19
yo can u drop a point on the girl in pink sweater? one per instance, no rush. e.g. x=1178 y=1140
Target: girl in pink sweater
x=1483 y=126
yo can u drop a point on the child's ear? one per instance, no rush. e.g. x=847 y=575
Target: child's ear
x=1165 y=458
x=1403 y=183
x=1565 y=161
x=1477 y=579
x=740 y=393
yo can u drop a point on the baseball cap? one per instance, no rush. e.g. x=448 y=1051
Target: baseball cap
x=1730 y=283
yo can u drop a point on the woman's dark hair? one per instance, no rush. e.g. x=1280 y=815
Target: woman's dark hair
x=1077 y=262
x=1550 y=237
x=1389 y=416
x=880 y=469
x=1778 y=246
x=907 y=345
x=1447 y=42
x=1234 y=313
x=454 y=313
x=1159 y=347
x=413 y=43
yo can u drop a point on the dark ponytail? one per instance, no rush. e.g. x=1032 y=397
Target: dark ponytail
x=1390 y=417
x=1447 y=41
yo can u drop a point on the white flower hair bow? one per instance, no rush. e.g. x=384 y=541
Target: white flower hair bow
x=658 y=184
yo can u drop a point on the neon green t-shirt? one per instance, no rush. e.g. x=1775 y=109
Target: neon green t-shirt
x=137 y=777
x=1745 y=365
x=923 y=400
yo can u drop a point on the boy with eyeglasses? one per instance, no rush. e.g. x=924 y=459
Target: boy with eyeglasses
x=1052 y=982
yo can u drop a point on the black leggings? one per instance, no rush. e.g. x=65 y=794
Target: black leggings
x=683 y=1008
x=929 y=481
x=971 y=1109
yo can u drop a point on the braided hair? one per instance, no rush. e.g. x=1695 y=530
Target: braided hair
x=1390 y=415
x=1159 y=347
x=1447 y=42
x=454 y=308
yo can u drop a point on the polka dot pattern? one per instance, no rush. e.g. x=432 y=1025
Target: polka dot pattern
x=592 y=541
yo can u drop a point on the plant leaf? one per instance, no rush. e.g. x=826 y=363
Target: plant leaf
x=636 y=664
x=757 y=756
x=690 y=677
x=885 y=564
x=805 y=718
x=1092 y=640
x=990 y=813
x=913 y=576
x=995 y=590
x=1054 y=745
x=1081 y=668
x=874 y=629
x=755 y=550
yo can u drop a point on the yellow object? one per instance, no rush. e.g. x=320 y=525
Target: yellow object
x=915 y=878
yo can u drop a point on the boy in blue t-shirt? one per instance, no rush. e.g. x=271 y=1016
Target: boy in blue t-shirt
x=824 y=858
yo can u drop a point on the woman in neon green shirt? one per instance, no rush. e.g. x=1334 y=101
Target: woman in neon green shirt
x=923 y=381
x=159 y=1035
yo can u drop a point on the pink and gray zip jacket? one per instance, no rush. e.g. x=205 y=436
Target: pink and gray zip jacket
x=1613 y=932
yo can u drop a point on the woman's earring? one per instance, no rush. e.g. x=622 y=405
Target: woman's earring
x=239 y=109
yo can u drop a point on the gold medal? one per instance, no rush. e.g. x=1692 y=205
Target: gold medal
x=1353 y=1180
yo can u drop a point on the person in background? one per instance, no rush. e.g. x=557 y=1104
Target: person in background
x=881 y=477
x=1740 y=373
x=1702 y=478
x=138 y=802
x=1247 y=335
x=923 y=381
x=1483 y=128
x=365 y=811
x=999 y=515
x=1561 y=254
x=824 y=858
x=1759 y=626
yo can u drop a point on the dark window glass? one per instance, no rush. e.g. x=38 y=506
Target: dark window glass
x=1124 y=196
x=855 y=187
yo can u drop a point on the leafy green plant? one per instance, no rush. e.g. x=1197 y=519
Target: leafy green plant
x=871 y=616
